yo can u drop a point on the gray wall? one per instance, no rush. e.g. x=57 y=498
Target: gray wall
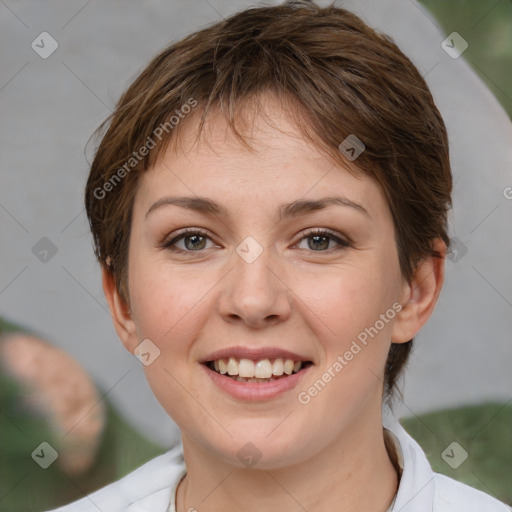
x=51 y=106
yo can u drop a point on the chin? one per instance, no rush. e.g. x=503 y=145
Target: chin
x=254 y=448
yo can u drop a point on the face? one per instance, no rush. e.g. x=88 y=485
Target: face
x=256 y=278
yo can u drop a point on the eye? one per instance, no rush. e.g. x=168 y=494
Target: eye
x=194 y=240
x=321 y=239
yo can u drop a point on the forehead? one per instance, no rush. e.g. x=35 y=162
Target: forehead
x=281 y=164
x=267 y=125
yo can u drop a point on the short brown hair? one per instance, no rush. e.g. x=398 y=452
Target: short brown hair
x=338 y=76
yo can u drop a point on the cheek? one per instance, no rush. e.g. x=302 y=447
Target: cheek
x=347 y=300
x=348 y=323
x=346 y=314
x=170 y=309
x=166 y=311
x=164 y=298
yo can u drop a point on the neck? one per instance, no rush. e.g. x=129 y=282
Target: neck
x=352 y=473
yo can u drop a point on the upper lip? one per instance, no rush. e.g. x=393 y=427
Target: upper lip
x=254 y=353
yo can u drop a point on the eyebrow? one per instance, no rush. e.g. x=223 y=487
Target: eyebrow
x=295 y=208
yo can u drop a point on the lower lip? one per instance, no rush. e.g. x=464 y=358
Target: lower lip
x=256 y=391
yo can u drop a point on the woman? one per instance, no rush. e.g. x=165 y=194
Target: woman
x=271 y=279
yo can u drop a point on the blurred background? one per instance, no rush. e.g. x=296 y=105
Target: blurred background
x=490 y=24
x=54 y=93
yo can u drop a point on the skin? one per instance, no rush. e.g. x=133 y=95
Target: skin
x=328 y=454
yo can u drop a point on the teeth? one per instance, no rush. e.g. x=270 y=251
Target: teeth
x=288 y=366
x=277 y=367
x=246 y=370
x=223 y=367
x=263 y=369
x=243 y=379
x=232 y=366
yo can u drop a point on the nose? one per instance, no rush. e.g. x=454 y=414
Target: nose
x=254 y=292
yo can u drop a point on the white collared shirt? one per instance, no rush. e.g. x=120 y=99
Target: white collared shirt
x=152 y=486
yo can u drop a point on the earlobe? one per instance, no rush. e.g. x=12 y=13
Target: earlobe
x=120 y=311
x=420 y=295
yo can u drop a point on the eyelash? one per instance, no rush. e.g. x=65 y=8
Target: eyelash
x=195 y=231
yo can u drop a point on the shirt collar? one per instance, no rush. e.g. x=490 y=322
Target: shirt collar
x=417 y=483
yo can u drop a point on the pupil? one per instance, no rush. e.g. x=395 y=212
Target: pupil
x=316 y=237
x=194 y=246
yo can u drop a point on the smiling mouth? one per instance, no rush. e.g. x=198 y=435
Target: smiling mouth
x=260 y=371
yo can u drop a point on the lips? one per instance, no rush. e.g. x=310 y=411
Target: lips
x=256 y=373
x=244 y=363
x=253 y=389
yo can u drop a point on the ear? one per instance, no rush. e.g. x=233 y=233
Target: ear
x=420 y=295
x=120 y=311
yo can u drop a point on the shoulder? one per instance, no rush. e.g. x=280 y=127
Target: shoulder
x=454 y=496
x=149 y=485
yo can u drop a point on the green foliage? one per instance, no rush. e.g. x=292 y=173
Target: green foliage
x=24 y=485
x=484 y=431
x=487 y=27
